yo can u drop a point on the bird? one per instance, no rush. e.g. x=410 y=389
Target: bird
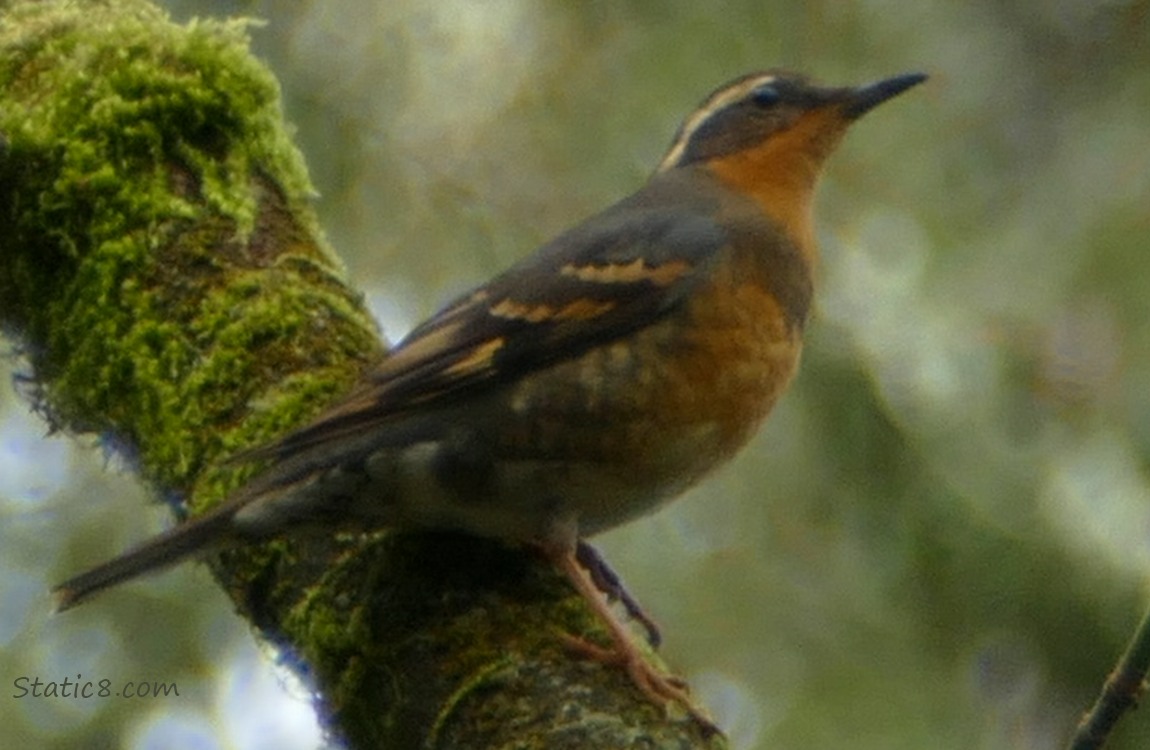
x=585 y=386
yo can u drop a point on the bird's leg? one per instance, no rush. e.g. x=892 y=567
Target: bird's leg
x=660 y=688
x=608 y=581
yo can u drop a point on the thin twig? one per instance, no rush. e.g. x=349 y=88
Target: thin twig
x=1121 y=692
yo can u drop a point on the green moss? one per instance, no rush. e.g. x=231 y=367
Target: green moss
x=492 y=673
x=163 y=264
x=163 y=268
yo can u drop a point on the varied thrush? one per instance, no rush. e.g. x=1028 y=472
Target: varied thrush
x=589 y=383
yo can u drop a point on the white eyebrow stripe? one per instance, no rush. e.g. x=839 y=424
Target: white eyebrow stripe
x=718 y=101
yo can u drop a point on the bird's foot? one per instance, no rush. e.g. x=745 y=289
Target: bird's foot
x=659 y=687
x=608 y=582
x=582 y=565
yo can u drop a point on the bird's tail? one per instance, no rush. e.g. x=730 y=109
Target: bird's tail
x=166 y=549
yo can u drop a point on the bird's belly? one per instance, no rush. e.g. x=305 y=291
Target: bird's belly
x=607 y=436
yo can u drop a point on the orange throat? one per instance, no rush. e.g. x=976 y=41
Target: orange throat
x=780 y=174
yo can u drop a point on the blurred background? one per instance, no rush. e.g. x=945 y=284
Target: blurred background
x=942 y=537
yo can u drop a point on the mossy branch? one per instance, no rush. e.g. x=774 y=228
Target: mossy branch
x=163 y=271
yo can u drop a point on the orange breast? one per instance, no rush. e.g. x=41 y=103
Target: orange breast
x=673 y=400
x=734 y=357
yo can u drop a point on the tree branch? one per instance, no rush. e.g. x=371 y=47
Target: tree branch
x=1121 y=692
x=162 y=267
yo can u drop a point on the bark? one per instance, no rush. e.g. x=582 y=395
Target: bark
x=163 y=271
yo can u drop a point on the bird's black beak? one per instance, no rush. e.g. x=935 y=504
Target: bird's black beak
x=863 y=99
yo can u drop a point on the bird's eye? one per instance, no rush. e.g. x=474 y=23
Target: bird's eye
x=765 y=95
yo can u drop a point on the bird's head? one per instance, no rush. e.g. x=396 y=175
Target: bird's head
x=767 y=135
x=773 y=113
